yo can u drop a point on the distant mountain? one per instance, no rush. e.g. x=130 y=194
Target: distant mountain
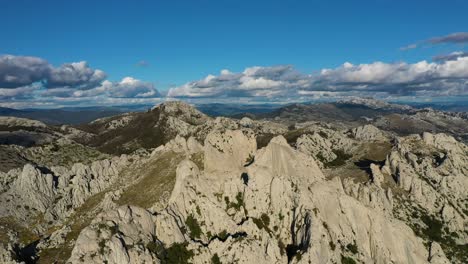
x=444 y=106
x=63 y=115
x=400 y=119
x=343 y=112
x=236 y=109
x=350 y=111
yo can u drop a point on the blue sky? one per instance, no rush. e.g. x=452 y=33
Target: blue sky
x=170 y=43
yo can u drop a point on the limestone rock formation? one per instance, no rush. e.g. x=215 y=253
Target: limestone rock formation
x=120 y=236
x=197 y=189
x=271 y=205
x=367 y=132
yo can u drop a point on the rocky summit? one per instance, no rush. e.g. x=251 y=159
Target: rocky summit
x=173 y=185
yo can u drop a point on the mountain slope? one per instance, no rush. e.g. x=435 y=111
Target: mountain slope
x=209 y=192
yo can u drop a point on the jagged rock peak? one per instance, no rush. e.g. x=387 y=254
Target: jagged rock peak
x=367 y=132
x=183 y=111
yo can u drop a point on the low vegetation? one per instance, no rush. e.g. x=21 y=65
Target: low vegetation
x=263 y=222
x=157 y=178
x=215 y=259
x=236 y=205
x=177 y=253
x=347 y=260
x=193 y=226
x=63 y=154
x=341 y=158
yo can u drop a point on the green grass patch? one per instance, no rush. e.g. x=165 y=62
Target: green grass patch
x=193 y=225
x=157 y=177
x=341 y=158
x=215 y=259
x=347 y=260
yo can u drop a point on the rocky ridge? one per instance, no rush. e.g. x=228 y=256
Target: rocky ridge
x=216 y=192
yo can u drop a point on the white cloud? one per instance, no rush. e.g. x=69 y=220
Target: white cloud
x=253 y=81
x=429 y=78
x=131 y=87
x=75 y=75
x=20 y=76
x=451 y=56
x=24 y=92
x=33 y=79
x=20 y=71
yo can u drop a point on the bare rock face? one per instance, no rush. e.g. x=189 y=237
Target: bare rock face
x=437 y=255
x=183 y=111
x=55 y=193
x=368 y=132
x=120 y=236
x=377 y=176
x=229 y=150
x=209 y=195
x=34 y=188
x=272 y=205
x=263 y=127
x=432 y=168
x=180 y=144
x=316 y=146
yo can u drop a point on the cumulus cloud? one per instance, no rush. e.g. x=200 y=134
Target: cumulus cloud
x=448 y=77
x=452 y=56
x=24 y=92
x=430 y=79
x=33 y=79
x=19 y=71
x=253 y=81
x=75 y=75
x=22 y=77
x=130 y=87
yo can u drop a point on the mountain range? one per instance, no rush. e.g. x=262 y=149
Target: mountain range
x=356 y=181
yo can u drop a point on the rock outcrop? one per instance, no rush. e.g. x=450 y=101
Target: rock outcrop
x=367 y=132
x=271 y=205
x=197 y=189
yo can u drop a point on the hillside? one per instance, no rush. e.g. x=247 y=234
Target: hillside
x=173 y=185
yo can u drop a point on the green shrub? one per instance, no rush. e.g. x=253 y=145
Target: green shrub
x=102 y=246
x=265 y=219
x=223 y=235
x=263 y=222
x=156 y=248
x=434 y=228
x=347 y=260
x=239 y=202
x=192 y=224
x=177 y=254
x=215 y=259
x=352 y=248
x=341 y=158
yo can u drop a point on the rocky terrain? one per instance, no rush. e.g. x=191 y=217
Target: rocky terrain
x=402 y=120
x=300 y=185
